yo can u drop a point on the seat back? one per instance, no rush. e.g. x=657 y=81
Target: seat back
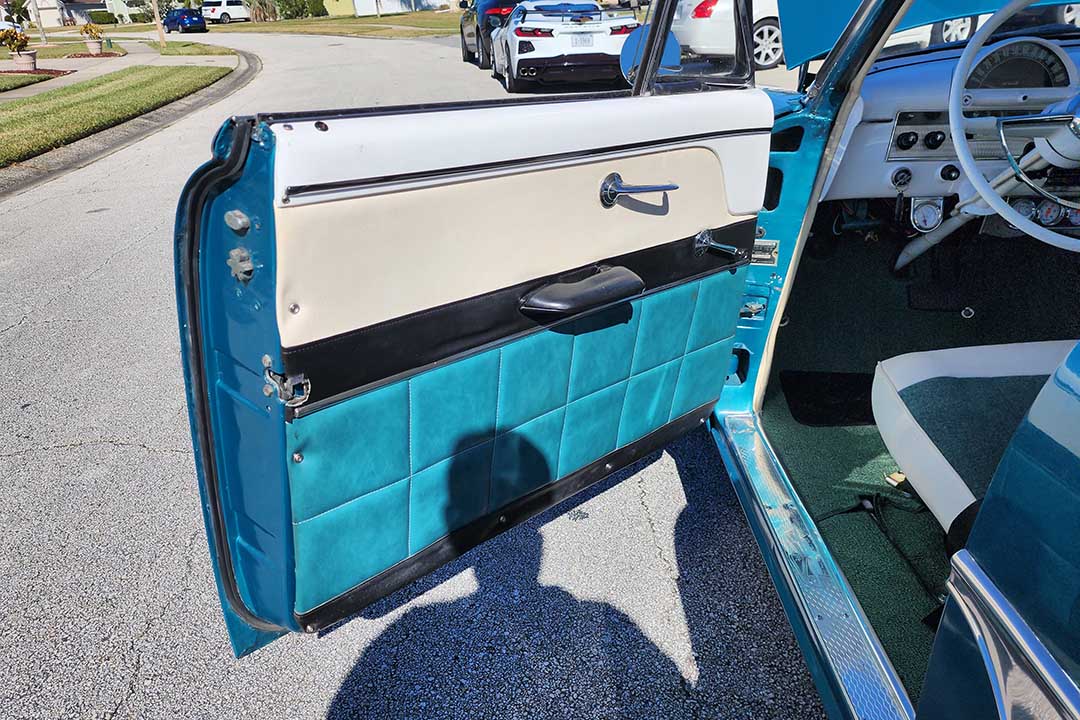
x=1026 y=540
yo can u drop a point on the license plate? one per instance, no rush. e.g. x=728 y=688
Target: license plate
x=581 y=40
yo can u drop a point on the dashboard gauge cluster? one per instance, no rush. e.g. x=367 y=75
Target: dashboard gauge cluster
x=1025 y=206
x=1047 y=212
x=1022 y=64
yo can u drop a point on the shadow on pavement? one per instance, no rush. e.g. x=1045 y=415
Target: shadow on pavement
x=517 y=648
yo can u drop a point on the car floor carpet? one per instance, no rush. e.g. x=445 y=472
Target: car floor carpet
x=831 y=467
x=825 y=398
x=848 y=312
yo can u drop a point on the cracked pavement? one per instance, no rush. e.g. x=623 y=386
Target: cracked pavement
x=643 y=597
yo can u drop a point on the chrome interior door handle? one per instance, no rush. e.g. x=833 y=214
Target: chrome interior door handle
x=613 y=186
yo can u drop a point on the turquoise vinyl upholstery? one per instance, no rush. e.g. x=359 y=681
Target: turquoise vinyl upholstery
x=387 y=473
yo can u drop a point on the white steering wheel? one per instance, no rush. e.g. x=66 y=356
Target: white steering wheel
x=1055 y=132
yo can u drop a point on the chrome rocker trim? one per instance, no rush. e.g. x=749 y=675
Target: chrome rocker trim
x=853 y=674
x=1026 y=679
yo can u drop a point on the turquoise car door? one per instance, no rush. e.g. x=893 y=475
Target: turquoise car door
x=1008 y=644
x=402 y=338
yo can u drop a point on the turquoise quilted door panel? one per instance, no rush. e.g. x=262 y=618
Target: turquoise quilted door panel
x=385 y=474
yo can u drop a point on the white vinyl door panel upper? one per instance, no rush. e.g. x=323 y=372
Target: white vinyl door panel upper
x=408 y=236
x=370 y=147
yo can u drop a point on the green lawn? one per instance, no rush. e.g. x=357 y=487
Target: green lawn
x=10 y=82
x=31 y=126
x=62 y=49
x=183 y=47
x=448 y=21
x=405 y=25
x=130 y=28
x=419 y=24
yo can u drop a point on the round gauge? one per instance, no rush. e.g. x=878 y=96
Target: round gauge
x=1049 y=213
x=1021 y=64
x=926 y=215
x=1073 y=216
x=1024 y=206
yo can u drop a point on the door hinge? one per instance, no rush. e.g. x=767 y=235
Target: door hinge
x=292 y=390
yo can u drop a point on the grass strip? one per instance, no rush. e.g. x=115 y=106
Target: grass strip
x=449 y=21
x=405 y=25
x=348 y=27
x=34 y=125
x=63 y=49
x=11 y=81
x=184 y=47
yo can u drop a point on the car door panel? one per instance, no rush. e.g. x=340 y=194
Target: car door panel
x=390 y=255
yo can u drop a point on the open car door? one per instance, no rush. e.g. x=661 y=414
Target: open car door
x=408 y=329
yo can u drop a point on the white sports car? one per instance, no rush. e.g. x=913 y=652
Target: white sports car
x=552 y=42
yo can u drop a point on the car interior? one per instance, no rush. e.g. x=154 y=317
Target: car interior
x=888 y=423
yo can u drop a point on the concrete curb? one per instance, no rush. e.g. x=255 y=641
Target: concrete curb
x=20 y=177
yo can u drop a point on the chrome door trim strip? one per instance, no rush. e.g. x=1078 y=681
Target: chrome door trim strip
x=1026 y=679
x=360 y=187
x=862 y=679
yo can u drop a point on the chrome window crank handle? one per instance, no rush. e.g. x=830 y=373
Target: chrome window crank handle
x=613 y=186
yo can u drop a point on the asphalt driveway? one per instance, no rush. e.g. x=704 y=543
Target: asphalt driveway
x=643 y=598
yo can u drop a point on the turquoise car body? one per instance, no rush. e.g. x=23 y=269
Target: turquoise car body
x=252 y=442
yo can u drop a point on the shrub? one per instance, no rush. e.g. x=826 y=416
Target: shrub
x=14 y=40
x=90 y=31
x=139 y=17
x=292 y=9
x=316 y=8
x=102 y=17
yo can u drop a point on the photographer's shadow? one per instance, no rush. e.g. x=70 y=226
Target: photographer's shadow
x=514 y=647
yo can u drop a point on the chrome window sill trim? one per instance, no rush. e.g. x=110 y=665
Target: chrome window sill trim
x=864 y=682
x=1026 y=679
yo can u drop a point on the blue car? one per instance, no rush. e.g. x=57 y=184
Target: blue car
x=183 y=20
x=866 y=291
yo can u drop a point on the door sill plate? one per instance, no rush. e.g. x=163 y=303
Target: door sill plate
x=850 y=667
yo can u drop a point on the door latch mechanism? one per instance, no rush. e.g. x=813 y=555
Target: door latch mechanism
x=292 y=390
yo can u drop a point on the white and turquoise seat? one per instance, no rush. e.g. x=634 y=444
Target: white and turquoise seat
x=947 y=416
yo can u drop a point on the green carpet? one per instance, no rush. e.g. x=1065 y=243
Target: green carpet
x=847 y=313
x=830 y=467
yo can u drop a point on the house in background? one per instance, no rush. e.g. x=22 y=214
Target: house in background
x=121 y=10
x=54 y=13
x=364 y=8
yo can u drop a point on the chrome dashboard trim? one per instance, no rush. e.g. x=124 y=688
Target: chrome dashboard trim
x=860 y=675
x=1026 y=679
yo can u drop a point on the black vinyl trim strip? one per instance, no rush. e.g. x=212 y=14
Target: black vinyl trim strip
x=213 y=178
x=293 y=191
x=360 y=360
x=461 y=541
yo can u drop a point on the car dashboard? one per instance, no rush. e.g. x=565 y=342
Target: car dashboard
x=898 y=142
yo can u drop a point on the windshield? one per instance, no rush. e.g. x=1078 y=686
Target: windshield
x=809 y=33
x=1058 y=19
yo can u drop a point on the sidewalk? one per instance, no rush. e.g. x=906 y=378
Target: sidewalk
x=89 y=68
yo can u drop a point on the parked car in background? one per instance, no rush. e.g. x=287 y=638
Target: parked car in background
x=478 y=21
x=704 y=28
x=225 y=11
x=183 y=20
x=545 y=42
x=5 y=25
